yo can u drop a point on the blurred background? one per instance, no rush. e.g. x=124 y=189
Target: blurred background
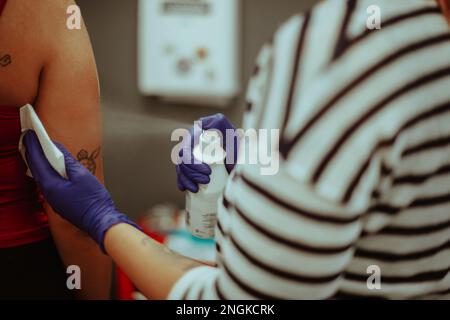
x=137 y=128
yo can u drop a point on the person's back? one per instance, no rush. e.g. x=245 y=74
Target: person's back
x=364 y=181
x=23 y=52
x=379 y=106
x=401 y=133
x=21 y=61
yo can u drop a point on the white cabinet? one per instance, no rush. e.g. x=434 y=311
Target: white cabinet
x=189 y=50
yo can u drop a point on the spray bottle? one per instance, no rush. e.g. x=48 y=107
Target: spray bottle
x=201 y=207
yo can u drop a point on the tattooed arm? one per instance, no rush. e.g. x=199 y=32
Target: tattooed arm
x=69 y=106
x=151 y=266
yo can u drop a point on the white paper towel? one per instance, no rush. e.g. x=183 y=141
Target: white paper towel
x=30 y=121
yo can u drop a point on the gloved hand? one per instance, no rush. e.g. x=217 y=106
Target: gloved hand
x=81 y=199
x=190 y=173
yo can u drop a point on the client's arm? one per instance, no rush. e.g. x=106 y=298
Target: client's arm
x=150 y=265
x=69 y=107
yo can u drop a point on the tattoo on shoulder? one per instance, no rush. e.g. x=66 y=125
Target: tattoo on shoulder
x=89 y=160
x=5 y=60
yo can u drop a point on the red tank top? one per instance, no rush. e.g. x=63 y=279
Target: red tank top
x=22 y=219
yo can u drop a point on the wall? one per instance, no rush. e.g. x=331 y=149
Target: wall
x=137 y=130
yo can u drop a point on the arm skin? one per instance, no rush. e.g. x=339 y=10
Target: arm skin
x=445 y=6
x=69 y=106
x=151 y=266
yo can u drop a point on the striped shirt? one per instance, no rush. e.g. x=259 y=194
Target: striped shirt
x=364 y=179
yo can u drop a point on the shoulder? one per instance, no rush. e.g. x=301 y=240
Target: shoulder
x=31 y=33
x=37 y=15
x=360 y=101
x=372 y=63
x=42 y=25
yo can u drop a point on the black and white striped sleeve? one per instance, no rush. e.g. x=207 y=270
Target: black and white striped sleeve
x=282 y=241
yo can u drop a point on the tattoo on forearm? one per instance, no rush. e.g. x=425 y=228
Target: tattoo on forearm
x=89 y=160
x=173 y=257
x=5 y=60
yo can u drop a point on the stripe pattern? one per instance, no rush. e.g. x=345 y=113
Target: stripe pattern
x=364 y=180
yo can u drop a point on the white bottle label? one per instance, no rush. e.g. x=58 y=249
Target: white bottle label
x=201 y=225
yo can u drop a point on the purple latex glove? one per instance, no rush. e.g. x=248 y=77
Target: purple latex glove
x=81 y=199
x=190 y=173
